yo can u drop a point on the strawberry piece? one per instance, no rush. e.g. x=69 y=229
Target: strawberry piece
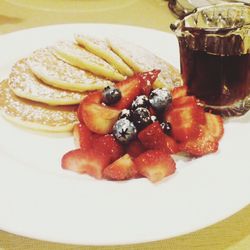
x=108 y=145
x=83 y=136
x=152 y=137
x=147 y=79
x=135 y=148
x=185 y=122
x=155 y=165
x=184 y=101
x=129 y=88
x=121 y=169
x=214 y=124
x=90 y=162
x=179 y=91
x=204 y=144
x=97 y=117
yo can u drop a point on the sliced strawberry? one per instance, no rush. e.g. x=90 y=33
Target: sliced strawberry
x=179 y=91
x=135 y=148
x=185 y=122
x=147 y=79
x=184 y=101
x=108 y=145
x=89 y=162
x=155 y=165
x=83 y=137
x=214 y=124
x=152 y=137
x=97 y=117
x=121 y=169
x=130 y=88
x=204 y=144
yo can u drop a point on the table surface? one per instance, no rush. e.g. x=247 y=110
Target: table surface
x=230 y=234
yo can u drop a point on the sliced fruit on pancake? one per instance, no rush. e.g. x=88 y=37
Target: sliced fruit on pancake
x=55 y=72
x=140 y=60
x=25 y=84
x=81 y=58
x=101 y=48
x=36 y=115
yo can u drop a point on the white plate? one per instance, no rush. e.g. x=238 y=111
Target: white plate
x=40 y=200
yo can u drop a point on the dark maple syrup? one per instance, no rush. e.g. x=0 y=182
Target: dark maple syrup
x=215 y=79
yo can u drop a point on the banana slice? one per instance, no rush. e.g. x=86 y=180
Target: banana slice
x=55 y=72
x=25 y=84
x=101 y=48
x=79 y=57
x=140 y=59
x=35 y=115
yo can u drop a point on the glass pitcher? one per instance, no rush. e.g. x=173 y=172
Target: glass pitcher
x=214 y=44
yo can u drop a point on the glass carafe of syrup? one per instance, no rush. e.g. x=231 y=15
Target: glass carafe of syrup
x=214 y=44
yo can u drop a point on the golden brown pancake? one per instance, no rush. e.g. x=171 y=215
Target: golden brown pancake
x=25 y=84
x=140 y=59
x=35 y=115
x=57 y=73
x=102 y=49
x=80 y=57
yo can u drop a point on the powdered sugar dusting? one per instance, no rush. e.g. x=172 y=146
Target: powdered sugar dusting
x=33 y=112
x=24 y=83
x=47 y=64
x=142 y=60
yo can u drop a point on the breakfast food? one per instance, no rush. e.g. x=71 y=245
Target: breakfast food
x=102 y=49
x=80 y=57
x=129 y=117
x=35 y=115
x=55 y=72
x=127 y=132
x=140 y=60
x=26 y=85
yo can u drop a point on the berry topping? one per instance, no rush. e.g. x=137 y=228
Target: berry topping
x=155 y=165
x=141 y=118
x=129 y=88
x=126 y=113
x=147 y=79
x=179 y=91
x=121 y=169
x=97 y=117
x=152 y=137
x=111 y=95
x=124 y=130
x=160 y=99
x=141 y=101
x=166 y=127
x=90 y=162
x=154 y=118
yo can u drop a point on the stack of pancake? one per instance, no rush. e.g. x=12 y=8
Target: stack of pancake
x=43 y=90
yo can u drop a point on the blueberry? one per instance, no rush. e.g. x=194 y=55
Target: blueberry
x=126 y=113
x=124 y=130
x=141 y=118
x=160 y=99
x=111 y=95
x=154 y=118
x=166 y=127
x=141 y=101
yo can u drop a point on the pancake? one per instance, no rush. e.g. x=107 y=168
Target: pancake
x=140 y=60
x=83 y=59
x=35 y=115
x=55 y=72
x=25 y=84
x=101 y=48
